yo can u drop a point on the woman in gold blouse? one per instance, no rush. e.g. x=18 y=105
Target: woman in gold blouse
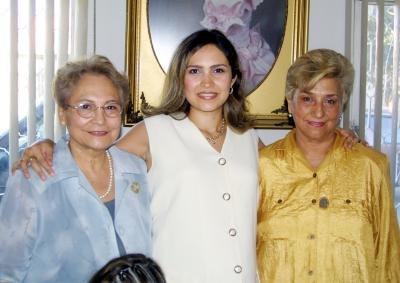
x=326 y=212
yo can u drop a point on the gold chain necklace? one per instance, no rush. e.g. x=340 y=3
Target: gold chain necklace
x=220 y=131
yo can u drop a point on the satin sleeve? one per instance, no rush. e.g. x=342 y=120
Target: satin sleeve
x=261 y=189
x=386 y=231
x=261 y=215
x=18 y=226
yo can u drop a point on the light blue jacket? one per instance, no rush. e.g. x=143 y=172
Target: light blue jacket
x=60 y=231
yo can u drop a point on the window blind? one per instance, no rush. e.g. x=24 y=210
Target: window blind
x=63 y=39
x=376 y=26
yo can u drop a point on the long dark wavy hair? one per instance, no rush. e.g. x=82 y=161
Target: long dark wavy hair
x=173 y=100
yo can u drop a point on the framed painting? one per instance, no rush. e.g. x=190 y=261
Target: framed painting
x=267 y=34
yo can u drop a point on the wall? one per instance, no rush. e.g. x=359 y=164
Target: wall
x=327 y=24
x=326 y=29
x=110 y=30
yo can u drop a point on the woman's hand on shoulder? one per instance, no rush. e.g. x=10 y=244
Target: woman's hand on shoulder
x=136 y=141
x=261 y=145
x=351 y=138
x=39 y=156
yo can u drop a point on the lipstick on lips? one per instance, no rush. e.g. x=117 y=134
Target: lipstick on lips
x=98 y=133
x=207 y=95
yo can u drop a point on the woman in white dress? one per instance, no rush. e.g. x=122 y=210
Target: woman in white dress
x=202 y=159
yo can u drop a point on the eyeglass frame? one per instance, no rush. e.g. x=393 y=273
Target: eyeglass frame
x=93 y=112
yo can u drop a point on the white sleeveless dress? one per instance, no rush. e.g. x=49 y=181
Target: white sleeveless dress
x=204 y=203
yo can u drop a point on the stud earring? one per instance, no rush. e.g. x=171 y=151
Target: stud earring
x=290 y=115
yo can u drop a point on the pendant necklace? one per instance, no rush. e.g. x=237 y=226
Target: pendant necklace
x=220 y=131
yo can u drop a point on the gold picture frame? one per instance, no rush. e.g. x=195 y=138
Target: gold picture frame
x=266 y=102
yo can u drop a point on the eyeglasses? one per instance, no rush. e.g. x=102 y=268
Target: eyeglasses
x=87 y=109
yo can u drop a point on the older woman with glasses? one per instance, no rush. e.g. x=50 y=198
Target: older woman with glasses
x=97 y=207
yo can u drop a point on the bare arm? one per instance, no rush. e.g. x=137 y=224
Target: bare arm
x=40 y=154
x=136 y=141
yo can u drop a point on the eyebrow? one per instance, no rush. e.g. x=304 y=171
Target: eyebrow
x=312 y=93
x=92 y=101
x=213 y=66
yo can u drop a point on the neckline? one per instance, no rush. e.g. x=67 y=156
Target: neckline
x=326 y=161
x=203 y=139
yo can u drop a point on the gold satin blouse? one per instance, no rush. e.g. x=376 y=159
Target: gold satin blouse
x=333 y=224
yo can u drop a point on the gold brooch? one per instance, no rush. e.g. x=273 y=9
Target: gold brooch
x=135 y=187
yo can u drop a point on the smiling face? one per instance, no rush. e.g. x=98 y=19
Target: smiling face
x=97 y=132
x=316 y=112
x=207 y=80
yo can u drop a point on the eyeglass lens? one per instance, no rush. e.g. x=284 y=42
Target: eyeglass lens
x=87 y=110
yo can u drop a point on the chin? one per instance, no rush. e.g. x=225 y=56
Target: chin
x=320 y=137
x=99 y=145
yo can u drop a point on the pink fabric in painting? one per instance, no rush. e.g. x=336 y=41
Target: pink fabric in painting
x=233 y=19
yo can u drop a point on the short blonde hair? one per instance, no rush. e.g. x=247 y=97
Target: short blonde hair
x=318 y=64
x=70 y=74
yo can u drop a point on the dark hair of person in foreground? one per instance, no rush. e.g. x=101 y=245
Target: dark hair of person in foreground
x=131 y=268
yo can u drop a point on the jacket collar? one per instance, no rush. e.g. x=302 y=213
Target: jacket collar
x=288 y=148
x=66 y=168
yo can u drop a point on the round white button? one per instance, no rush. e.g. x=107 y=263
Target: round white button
x=238 y=269
x=226 y=196
x=222 y=161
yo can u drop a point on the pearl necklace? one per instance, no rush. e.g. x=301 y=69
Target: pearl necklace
x=220 y=131
x=111 y=178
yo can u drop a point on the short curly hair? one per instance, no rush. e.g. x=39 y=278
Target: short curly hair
x=318 y=64
x=70 y=74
